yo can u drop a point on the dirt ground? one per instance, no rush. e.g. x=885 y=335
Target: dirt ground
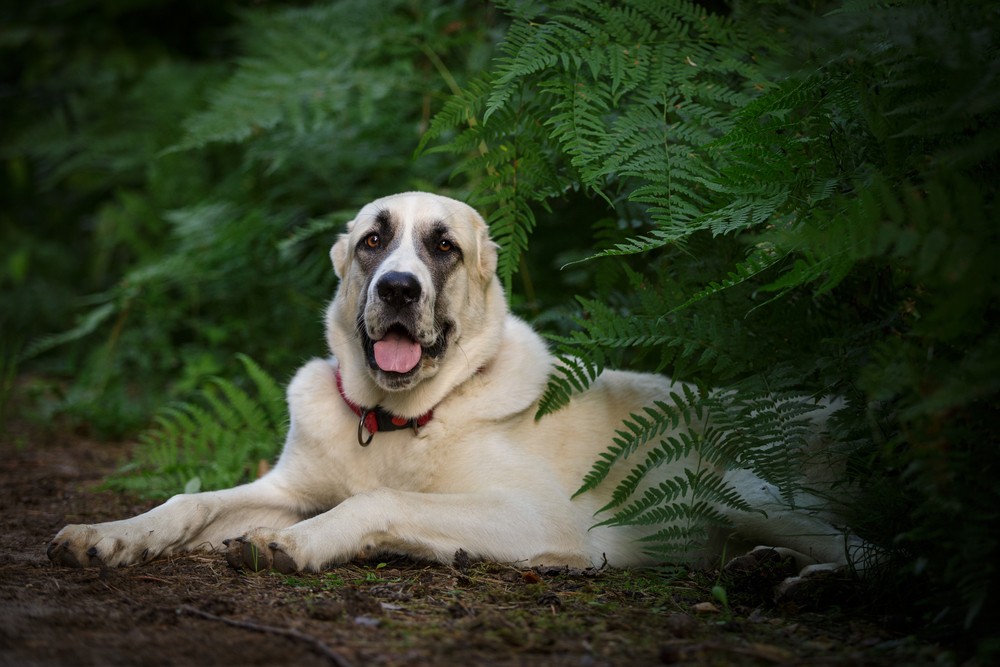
x=195 y=610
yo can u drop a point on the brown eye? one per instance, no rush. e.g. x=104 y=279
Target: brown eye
x=444 y=245
x=373 y=241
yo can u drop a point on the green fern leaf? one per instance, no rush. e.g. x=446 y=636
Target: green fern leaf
x=218 y=437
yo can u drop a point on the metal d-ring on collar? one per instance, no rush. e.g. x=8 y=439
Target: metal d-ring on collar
x=361 y=429
x=380 y=419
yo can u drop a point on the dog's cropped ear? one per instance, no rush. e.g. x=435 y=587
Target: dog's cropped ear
x=339 y=254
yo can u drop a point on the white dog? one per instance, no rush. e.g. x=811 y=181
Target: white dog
x=419 y=437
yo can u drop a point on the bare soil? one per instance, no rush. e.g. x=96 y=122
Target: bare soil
x=196 y=610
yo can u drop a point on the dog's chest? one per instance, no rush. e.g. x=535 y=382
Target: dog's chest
x=396 y=460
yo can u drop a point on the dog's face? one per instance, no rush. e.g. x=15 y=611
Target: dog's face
x=414 y=272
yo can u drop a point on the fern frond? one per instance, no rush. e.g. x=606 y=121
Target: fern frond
x=218 y=437
x=668 y=450
x=270 y=394
x=638 y=430
x=759 y=261
x=675 y=542
x=248 y=412
x=570 y=376
x=657 y=505
x=459 y=119
x=225 y=413
x=297 y=83
x=630 y=92
x=86 y=325
x=329 y=225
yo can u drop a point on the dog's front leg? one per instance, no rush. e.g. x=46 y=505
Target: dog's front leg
x=188 y=522
x=495 y=526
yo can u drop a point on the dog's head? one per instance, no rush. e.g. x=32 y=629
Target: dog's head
x=417 y=296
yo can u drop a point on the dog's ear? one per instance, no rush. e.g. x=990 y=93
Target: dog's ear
x=339 y=254
x=486 y=251
x=487 y=257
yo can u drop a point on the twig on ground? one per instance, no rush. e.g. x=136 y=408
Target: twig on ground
x=317 y=644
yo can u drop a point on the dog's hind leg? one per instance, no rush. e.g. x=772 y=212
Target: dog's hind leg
x=804 y=558
x=800 y=531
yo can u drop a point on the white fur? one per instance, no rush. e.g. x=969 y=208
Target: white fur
x=483 y=475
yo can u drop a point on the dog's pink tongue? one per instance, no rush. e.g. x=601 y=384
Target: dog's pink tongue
x=397 y=353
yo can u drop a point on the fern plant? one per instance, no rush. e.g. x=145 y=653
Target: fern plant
x=778 y=204
x=221 y=437
x=748 y=425
x=229 y=180
x=628 y=98
x=817 y=197
x=611 y=97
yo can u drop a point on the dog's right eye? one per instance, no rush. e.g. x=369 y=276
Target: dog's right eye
x=373 y=241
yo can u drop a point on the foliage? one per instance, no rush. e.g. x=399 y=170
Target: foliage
x=627 y=97
x=202 y=196
x=581 y=97
x=8 y=375
x=777 y=204
x=817 y=197
x=219 y=438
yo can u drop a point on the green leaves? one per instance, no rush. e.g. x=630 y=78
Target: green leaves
x=177 y=197
x=303 y=70
x=754 y=425
x=216 y=440
x=619 y=99
x=775 y=206
x=792 y=206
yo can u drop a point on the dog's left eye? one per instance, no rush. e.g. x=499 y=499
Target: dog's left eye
x=444 y=245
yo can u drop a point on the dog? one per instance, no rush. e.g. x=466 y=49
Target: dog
x=418 y=435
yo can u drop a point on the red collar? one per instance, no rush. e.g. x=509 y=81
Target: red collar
x=378 y=419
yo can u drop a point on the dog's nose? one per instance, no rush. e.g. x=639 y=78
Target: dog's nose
x=398 y=289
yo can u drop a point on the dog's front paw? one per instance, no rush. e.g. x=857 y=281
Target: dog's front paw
x=259 y=551
x=70 y=546
x=83 y=546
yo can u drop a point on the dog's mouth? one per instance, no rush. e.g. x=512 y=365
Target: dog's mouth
x=398 y=353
